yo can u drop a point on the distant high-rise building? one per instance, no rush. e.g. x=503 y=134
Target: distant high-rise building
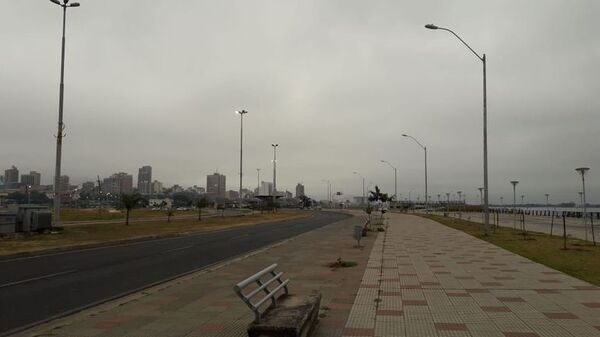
x=157 y=187
x=64 y=184
x=145 y=180
x=11 y=177
x=118 y=183
x=266 y=188
x=32 y=179
x=215 y=184
x=233 y=195
x=299 y=190
x=88 y=186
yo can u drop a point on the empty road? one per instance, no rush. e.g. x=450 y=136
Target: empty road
x=35 y=289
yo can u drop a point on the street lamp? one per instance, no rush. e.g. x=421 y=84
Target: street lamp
x=459 y=202
x=395 y=178
x=257 y=181
x=328 y=190
x=425 y=150
x=241 y=113
x=274 y=171
x=480 y=196
x=363 y=187
x=485 y=162
x=514 y=185
x=582 y=171
x=59 y=134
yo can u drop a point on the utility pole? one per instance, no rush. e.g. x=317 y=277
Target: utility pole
x=61 y=127
x=257 y=181
x=274 y=171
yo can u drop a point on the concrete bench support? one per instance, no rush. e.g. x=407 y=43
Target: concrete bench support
x=294 y=316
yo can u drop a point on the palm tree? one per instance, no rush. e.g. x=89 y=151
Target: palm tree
x=129 y=201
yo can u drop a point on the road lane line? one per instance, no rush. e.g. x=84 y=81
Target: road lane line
x=239 y=237
x=176 y=249
x=37 y=278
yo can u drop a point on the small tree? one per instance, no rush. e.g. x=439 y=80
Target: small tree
x=306 y=202
x=170 y=212
x=129 y=201
x=201 y=203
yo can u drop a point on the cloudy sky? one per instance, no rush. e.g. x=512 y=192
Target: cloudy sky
x=335 y=83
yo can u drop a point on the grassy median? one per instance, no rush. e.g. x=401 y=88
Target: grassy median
x=88 y=214
x=580 y=259
x=97 y=234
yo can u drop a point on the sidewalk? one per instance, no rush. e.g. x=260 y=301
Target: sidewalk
x=424 y=279
x=203 y=304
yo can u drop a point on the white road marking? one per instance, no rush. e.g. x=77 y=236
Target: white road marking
x=176 y=249
x=37 y=278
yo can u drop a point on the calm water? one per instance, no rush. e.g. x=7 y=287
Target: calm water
x=556 y=209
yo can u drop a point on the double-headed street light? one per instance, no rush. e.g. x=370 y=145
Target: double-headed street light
x=241 y=113
x=425 y=150
x=485 y=165
x=395 y=178
x=59 y=135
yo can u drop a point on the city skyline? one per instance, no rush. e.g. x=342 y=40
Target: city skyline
x=351 y=84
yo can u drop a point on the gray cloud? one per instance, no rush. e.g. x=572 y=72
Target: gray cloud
x=335 y=83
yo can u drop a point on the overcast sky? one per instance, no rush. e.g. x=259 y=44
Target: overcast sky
x=334 y=83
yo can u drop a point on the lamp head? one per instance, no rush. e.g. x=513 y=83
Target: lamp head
x=514 y=182
x=74 y=4
x=241 y=112
x=431 y=26
x=404 y=135
x=582 y=170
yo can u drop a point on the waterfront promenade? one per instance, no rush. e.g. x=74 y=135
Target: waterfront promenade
x=418 y=278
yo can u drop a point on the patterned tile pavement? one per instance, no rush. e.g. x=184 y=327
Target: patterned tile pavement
x=425 y=279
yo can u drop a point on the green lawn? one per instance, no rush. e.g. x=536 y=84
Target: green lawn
x=88 y=214
x=95 y=234
x=581 y=259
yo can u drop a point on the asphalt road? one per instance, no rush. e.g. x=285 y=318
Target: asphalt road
x=36 y=289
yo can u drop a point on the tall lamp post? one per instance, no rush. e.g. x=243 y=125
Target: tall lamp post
x=480 y=196
x=59 y=134
x=514 y=185
x=241 y=113
x=582 y=171
x=425 y=150
x=485 y=162
x=363 y=187
x=274 y=171
x=257 y=181
x=395 y=178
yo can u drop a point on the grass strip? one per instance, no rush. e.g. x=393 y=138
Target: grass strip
x=581 y=259
x=95 y=234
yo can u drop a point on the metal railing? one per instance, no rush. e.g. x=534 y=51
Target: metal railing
x=262 y=286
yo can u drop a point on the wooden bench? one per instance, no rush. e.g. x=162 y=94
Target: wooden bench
x=277 y=313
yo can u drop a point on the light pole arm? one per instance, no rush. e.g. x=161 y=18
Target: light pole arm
x=461 y=40
x=416 y=141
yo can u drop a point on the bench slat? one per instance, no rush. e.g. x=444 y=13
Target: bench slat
x=271 y=294
x=262 y=287
x=253 y=278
